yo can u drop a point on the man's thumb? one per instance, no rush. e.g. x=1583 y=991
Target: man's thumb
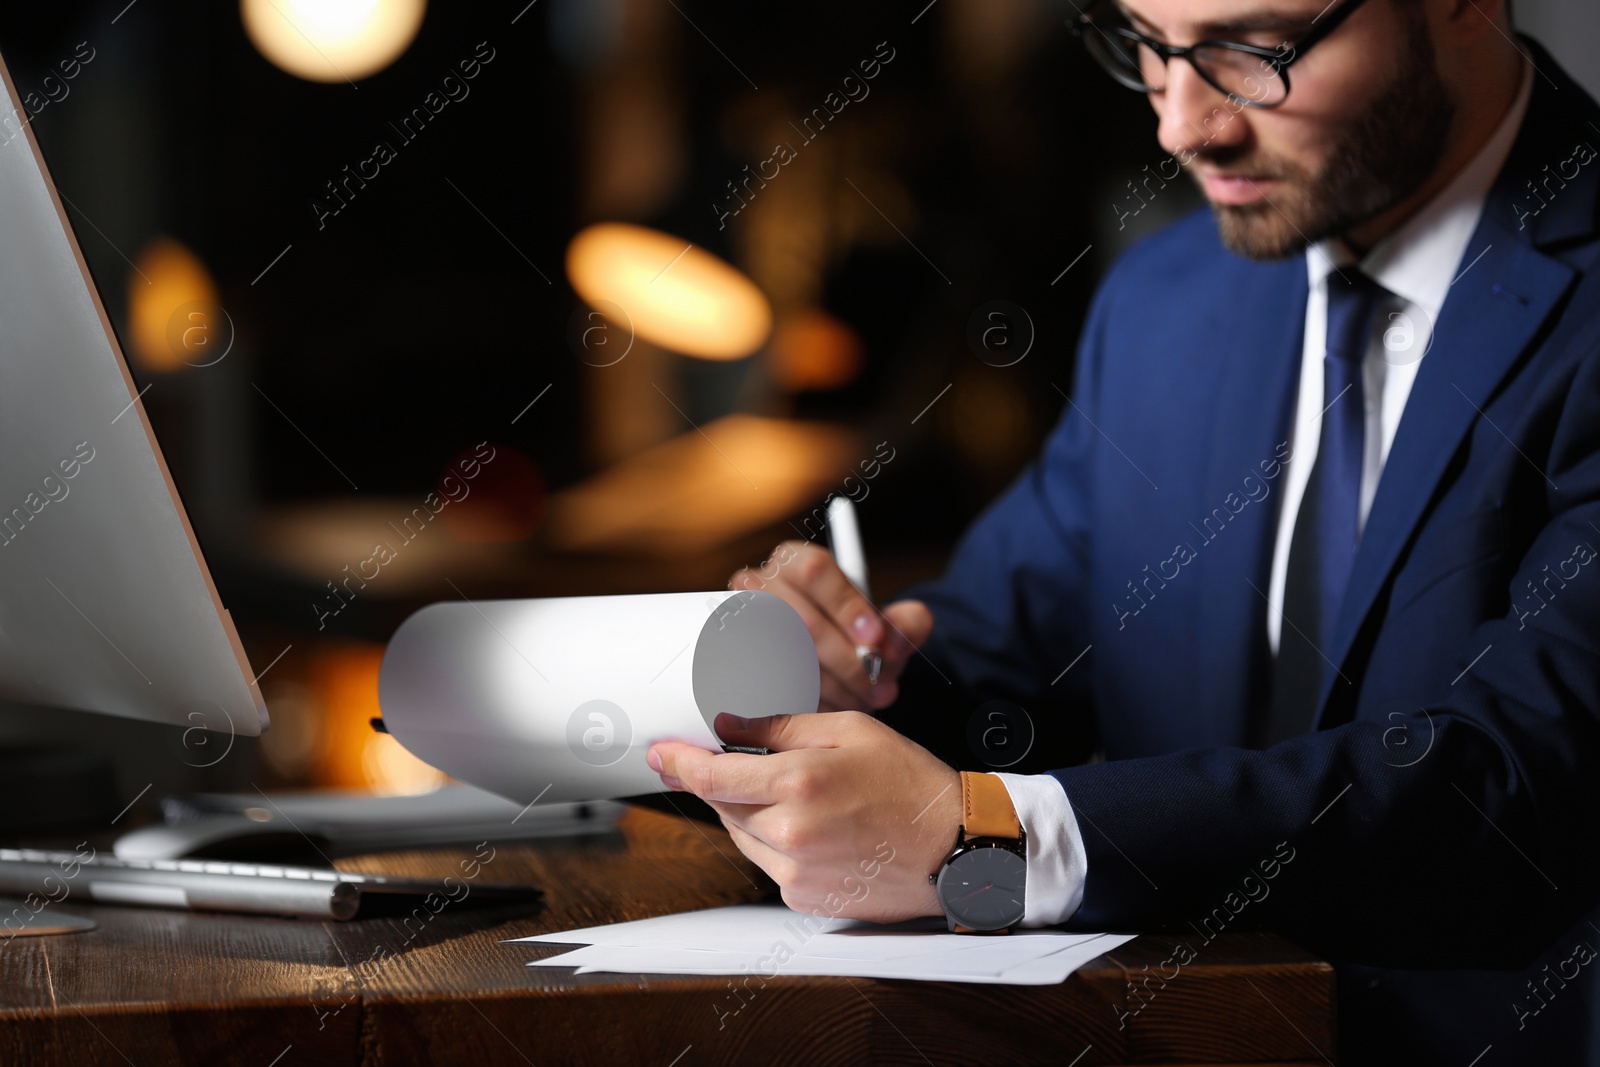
x=912 y=624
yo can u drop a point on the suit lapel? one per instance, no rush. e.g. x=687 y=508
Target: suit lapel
x=1494 y=310
x=1259 y=379
x=1488 y=320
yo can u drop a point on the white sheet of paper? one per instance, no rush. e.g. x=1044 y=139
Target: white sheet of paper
x=746 y=939
x=992 y=964
x=558 y=699
x=747 y=927
x=978 y=956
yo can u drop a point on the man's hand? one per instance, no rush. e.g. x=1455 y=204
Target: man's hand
x=846 y=815
x=839 y=619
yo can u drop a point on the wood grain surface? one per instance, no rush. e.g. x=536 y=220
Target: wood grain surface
x=151 y=986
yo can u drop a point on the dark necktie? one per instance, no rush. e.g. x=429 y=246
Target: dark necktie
x=1323 y=547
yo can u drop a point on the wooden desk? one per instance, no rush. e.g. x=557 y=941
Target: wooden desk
x=154 y=987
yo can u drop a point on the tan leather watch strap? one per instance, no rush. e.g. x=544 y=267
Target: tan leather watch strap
x=986 y=807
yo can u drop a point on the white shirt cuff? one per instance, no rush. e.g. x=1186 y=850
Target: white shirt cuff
x=1057 y=863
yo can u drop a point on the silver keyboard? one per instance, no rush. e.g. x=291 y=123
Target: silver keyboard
x=43 y=877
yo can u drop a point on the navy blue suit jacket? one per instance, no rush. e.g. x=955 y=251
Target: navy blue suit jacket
x=1441 y=817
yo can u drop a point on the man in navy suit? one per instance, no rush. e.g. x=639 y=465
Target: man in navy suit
x=1310 y=557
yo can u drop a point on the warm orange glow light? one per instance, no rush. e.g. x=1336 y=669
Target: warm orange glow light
x=332 y=40
x=677 y=296
x=173 y=316
x=344 y=683
x=814 y=350
x=706 y=488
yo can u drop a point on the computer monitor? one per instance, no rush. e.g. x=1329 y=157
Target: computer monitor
x=106 y=603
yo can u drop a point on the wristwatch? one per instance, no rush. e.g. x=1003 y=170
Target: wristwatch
x=981 y=884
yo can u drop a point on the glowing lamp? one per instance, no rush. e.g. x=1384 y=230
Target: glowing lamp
x=332 y=40
x=670 y=292
x=174 y=319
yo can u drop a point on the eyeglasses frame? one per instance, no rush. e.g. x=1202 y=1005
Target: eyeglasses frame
x=1323 y=26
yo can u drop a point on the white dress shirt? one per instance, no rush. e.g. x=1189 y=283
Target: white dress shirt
x=1417 y=263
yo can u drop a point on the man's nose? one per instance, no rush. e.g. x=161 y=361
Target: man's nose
x=1194 y=115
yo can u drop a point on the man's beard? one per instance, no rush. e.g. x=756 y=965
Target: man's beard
x=1377 y=161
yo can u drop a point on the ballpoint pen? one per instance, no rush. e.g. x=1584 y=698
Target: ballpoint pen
x=844 y=536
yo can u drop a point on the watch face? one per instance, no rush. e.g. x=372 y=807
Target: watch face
x=982 y=889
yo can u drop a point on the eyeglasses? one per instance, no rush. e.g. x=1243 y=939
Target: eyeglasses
x=1248 y=74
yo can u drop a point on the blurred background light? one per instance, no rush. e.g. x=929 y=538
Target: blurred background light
x=172 y=308
x=733 y=477
x=391 y=771
x=332 y=40
x=343 y=683
x=813 y=350
x=677 y=295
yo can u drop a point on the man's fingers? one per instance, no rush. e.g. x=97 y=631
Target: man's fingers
x=720 y=777
x=840 y=620
x=836 y=696
x=746 y=578
x=812 y=570
x=816 y=571
x=775 y=827
x=779 y=867
x=786 y=732
x=835 y=651
x=837 y=655
x=910 y=624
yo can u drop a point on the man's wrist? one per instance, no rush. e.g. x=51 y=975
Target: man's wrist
x=939 y=824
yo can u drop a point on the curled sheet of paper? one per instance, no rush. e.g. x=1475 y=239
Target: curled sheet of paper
x=558 y=699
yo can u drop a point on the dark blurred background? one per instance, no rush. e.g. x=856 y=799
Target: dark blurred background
x=323 y=331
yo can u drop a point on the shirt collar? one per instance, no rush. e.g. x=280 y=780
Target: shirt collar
x=1417 y=262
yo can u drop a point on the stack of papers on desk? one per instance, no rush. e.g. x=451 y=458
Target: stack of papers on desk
x=770 y=940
